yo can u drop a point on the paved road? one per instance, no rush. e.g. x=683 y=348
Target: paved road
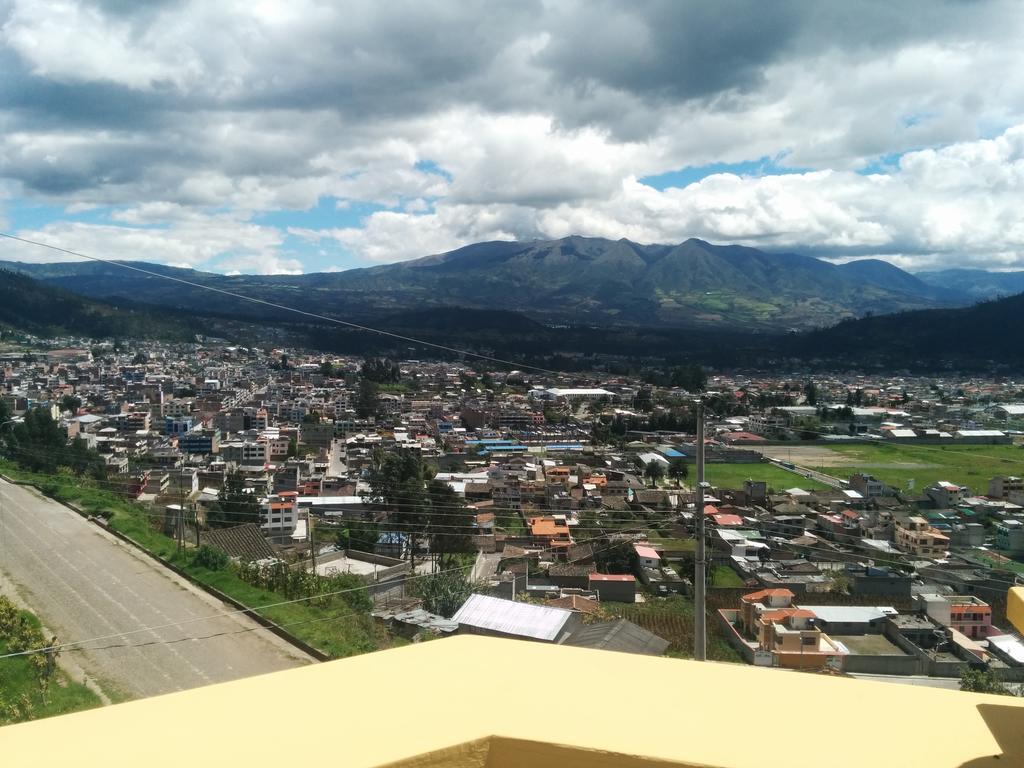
x=84 y=583
x=810 y=474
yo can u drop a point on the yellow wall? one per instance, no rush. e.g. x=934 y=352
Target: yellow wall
x=469 y=701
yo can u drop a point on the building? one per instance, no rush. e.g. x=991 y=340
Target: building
x=279 y=515
x=785 y=635
x=1002 y=487
x=946 y=495
x=917 y=537
x=497 y=617
x=966 y=614
x=868 y=486
x=613 y=587
x=1010 y=536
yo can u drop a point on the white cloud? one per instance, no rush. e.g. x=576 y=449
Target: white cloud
x=475 y=121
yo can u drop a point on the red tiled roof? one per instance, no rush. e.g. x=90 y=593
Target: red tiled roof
x=611 y=577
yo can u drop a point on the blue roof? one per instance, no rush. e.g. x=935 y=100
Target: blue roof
x=491 y=442
x=672 y=453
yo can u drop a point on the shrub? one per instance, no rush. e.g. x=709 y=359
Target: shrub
x=211 y=558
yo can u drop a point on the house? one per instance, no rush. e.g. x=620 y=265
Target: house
x=550 y=531
x=788 y=636
x=613 y=587
x=646 y=556
x=497 y=617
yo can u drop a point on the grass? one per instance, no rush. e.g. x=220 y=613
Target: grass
x=334 y=630
x=18 y=681
x=970 y=465
x=724 y=576
x=733 y=475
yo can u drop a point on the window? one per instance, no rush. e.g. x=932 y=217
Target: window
x=808 y=640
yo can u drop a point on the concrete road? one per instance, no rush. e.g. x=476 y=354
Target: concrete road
x=84 y=583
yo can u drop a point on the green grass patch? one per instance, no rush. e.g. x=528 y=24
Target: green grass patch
x=724 y=576
x=21 y=696
x=733 y=475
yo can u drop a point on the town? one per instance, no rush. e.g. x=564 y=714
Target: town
x=856 y=525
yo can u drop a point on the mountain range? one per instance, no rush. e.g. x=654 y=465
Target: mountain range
x=574 y=280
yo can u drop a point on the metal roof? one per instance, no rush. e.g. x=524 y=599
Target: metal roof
x=512 y=618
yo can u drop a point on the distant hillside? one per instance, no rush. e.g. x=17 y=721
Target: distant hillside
x=975 y=283
x=983 y=336
x=575 y=280
x=34 y=307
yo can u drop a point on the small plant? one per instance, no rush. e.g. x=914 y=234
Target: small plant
x=211 y=558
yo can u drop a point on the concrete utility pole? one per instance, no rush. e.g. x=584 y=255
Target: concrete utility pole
x=699 y=564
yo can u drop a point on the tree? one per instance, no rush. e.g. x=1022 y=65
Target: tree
x=982 y=681
x=327 y=369
x=811 y=393
x=380 y=371
x=398 y=486
x=70 y=403
x=654 y=472
x=235 y=505
x=360 y=535
x=678 y=470
x=450 y=522
x=366 y=399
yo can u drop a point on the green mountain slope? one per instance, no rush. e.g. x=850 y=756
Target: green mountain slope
x=573 y=280
x=34 y=307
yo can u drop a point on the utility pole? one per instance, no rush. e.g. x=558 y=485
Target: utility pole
x=699 y=564
x=312 y=539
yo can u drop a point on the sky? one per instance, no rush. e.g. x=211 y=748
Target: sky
x=299 y=136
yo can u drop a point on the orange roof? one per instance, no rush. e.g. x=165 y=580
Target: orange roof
x=762 y=594
x=778 y=614
x=547 y=526
x=611 y=577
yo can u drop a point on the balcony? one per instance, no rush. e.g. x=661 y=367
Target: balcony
x=464 y=701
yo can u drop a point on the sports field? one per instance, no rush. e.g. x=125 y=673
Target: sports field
x=898 y=465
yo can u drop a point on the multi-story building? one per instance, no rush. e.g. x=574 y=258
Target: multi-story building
x=245 y=452
x=1010 y=536
x=789 y=634
x=1002 y=487
x=867 y=486
x=200 y=441
x=917 y=537
x=966 y=614
x=946 y=495
x=279 y=515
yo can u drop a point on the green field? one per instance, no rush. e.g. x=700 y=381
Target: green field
x=970 y=465
x=733 y=475
x=672 y=619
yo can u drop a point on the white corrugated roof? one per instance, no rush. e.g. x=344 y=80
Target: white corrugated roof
x=847 y=613
x=512 y=618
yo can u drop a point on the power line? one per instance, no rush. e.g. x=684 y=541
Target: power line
x=274 y=305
